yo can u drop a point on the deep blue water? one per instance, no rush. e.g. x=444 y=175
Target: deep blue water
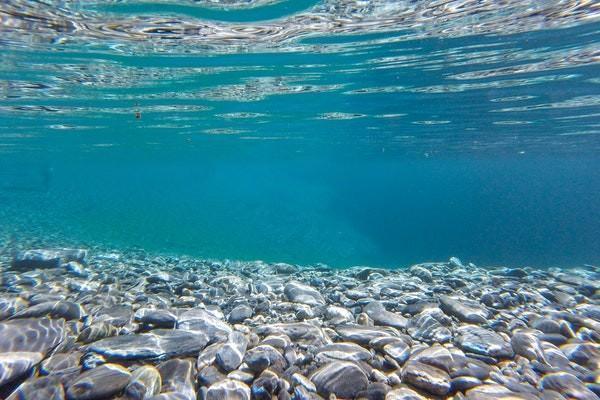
x=316 y=136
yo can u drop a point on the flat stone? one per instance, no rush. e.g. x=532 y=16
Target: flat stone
x=228 y=389
x=198 y=320
x=399 y=350
x=296 y=292
x=472 y=338
x=380 y=316
x=404 y=394
x=301 y=332
x=211 y=374
x=60 y=363
x=426 y=377
x=264 y=356
x=40 y=258
x=11 y=306
x=362 y=334
x=497 y=392
x=240 y=313
x=421 y=273
x=526 y=344
x=99 y=383
x=157 y=344
x=44 y=388
x=156 y=318
x=430 y=326
x=436 y=356
x=343 y=352
x=338 y=315
x=145 y=382
x=464 y=310
x=343 y=379
x=17 y=364
x=230 y=356
x=97 y=331
x=568 y=385
x=176 y=377
x=31 y=335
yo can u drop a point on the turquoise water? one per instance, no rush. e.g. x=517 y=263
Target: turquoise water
x=381 y=133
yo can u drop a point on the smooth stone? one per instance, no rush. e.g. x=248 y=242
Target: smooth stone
x=437 y=356
x=264 y=386
x=301 y=380
x=338 y=315
x=17 y=364
x=156 y=318
x=231 y=354
x=399 y=350
x=157 y=344
x=159 y=277
x=240 y=313
x=198 y=320
x=403 y=394
x=568 y=385
x=76 y=269
x=464 y=383
x=421 y=273
x=228 y=389
x=96 y=332
x=464 y=310
x=377 y=312
x=145 y=382
x=60 y=363
x=40 y=258
x=209 y=375
x=262 y=357
x=98 y=383
x=208 y=355
x=285 y=269
x=44 y=388
x=11 y=306
x=362 y=334
x=496 y=392
x=546 y=325
x=426 y=377
x=300 y=332
x=430 y=326
x=31 y=335
x=176 y=377
x=526 y=344
x=343 y=379
x=472 y=338
x=343 y=352
x=297 y=292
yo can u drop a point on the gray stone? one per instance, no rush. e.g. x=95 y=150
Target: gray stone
x=363 y=334
x=472 y=338
x=231 y=354
x=404 y=394
x=44 y=388
x=209 y=375
x=176 y=377
x=98 y=383
x=464 y=310
x=430 y=326
x=157 y=344
x=39 y=258
x=300 y=332
x=198 y=320
x=31 y=335
x=343 y=352
x=343 y=379
x=377 y=312
x=97 y=331
x=145 y=382
x=296 y=292
x=61 y=363
x=568 y=385
x=421 y=273
x=228 y=389
x=16 y=365
x=262 y=357
x=426 y=377
x=526 y=344
x=155 y=318
x=240 y=313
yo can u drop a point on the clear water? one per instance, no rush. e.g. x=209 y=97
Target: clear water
x=344 y=132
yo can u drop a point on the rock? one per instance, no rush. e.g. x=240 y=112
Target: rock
x=98 y=383
x=436 y=356
x=300 y=332
x=155 y=318
x=176 y=377
x=96 y=332
x=198 y=320
x=300 y=380
x=403 y=394
x=343 y=379
x=299 y=293
x=362 y=334
x=568 y=385
x=464 y=310
x=228 y=389
x=426 y=377
x=145 y=382
x=381 y=316
x=398 y=349
x=285 y=269
x=421 y=273
x=264 y=386
x=262 y=357
x=159 y=277
x=31 y=259
x=230 y=356
x=526 y=344
x=157 y=344
x=496 y=392
x=430 y=326
x=61 y=363
x=11 y=306
x=76 y=269
x=338 y=315
x=31 y=335
x=240 y=313
x=210 y=375
x=455 y=263
x=472 y=338
x=44 y=388
x=343 y=352
x=16 y=365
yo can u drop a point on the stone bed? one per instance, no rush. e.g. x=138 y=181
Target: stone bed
x=130 y=326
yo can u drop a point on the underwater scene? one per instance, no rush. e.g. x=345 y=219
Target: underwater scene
x=299 y=199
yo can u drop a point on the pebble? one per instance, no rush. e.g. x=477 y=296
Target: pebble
x=426 y=377
x=145 y=382
x=342 y=379
x=228 y=389
x=298 y=293
x=99 y=383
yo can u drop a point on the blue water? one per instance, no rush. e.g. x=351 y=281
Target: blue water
x=306 y=132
